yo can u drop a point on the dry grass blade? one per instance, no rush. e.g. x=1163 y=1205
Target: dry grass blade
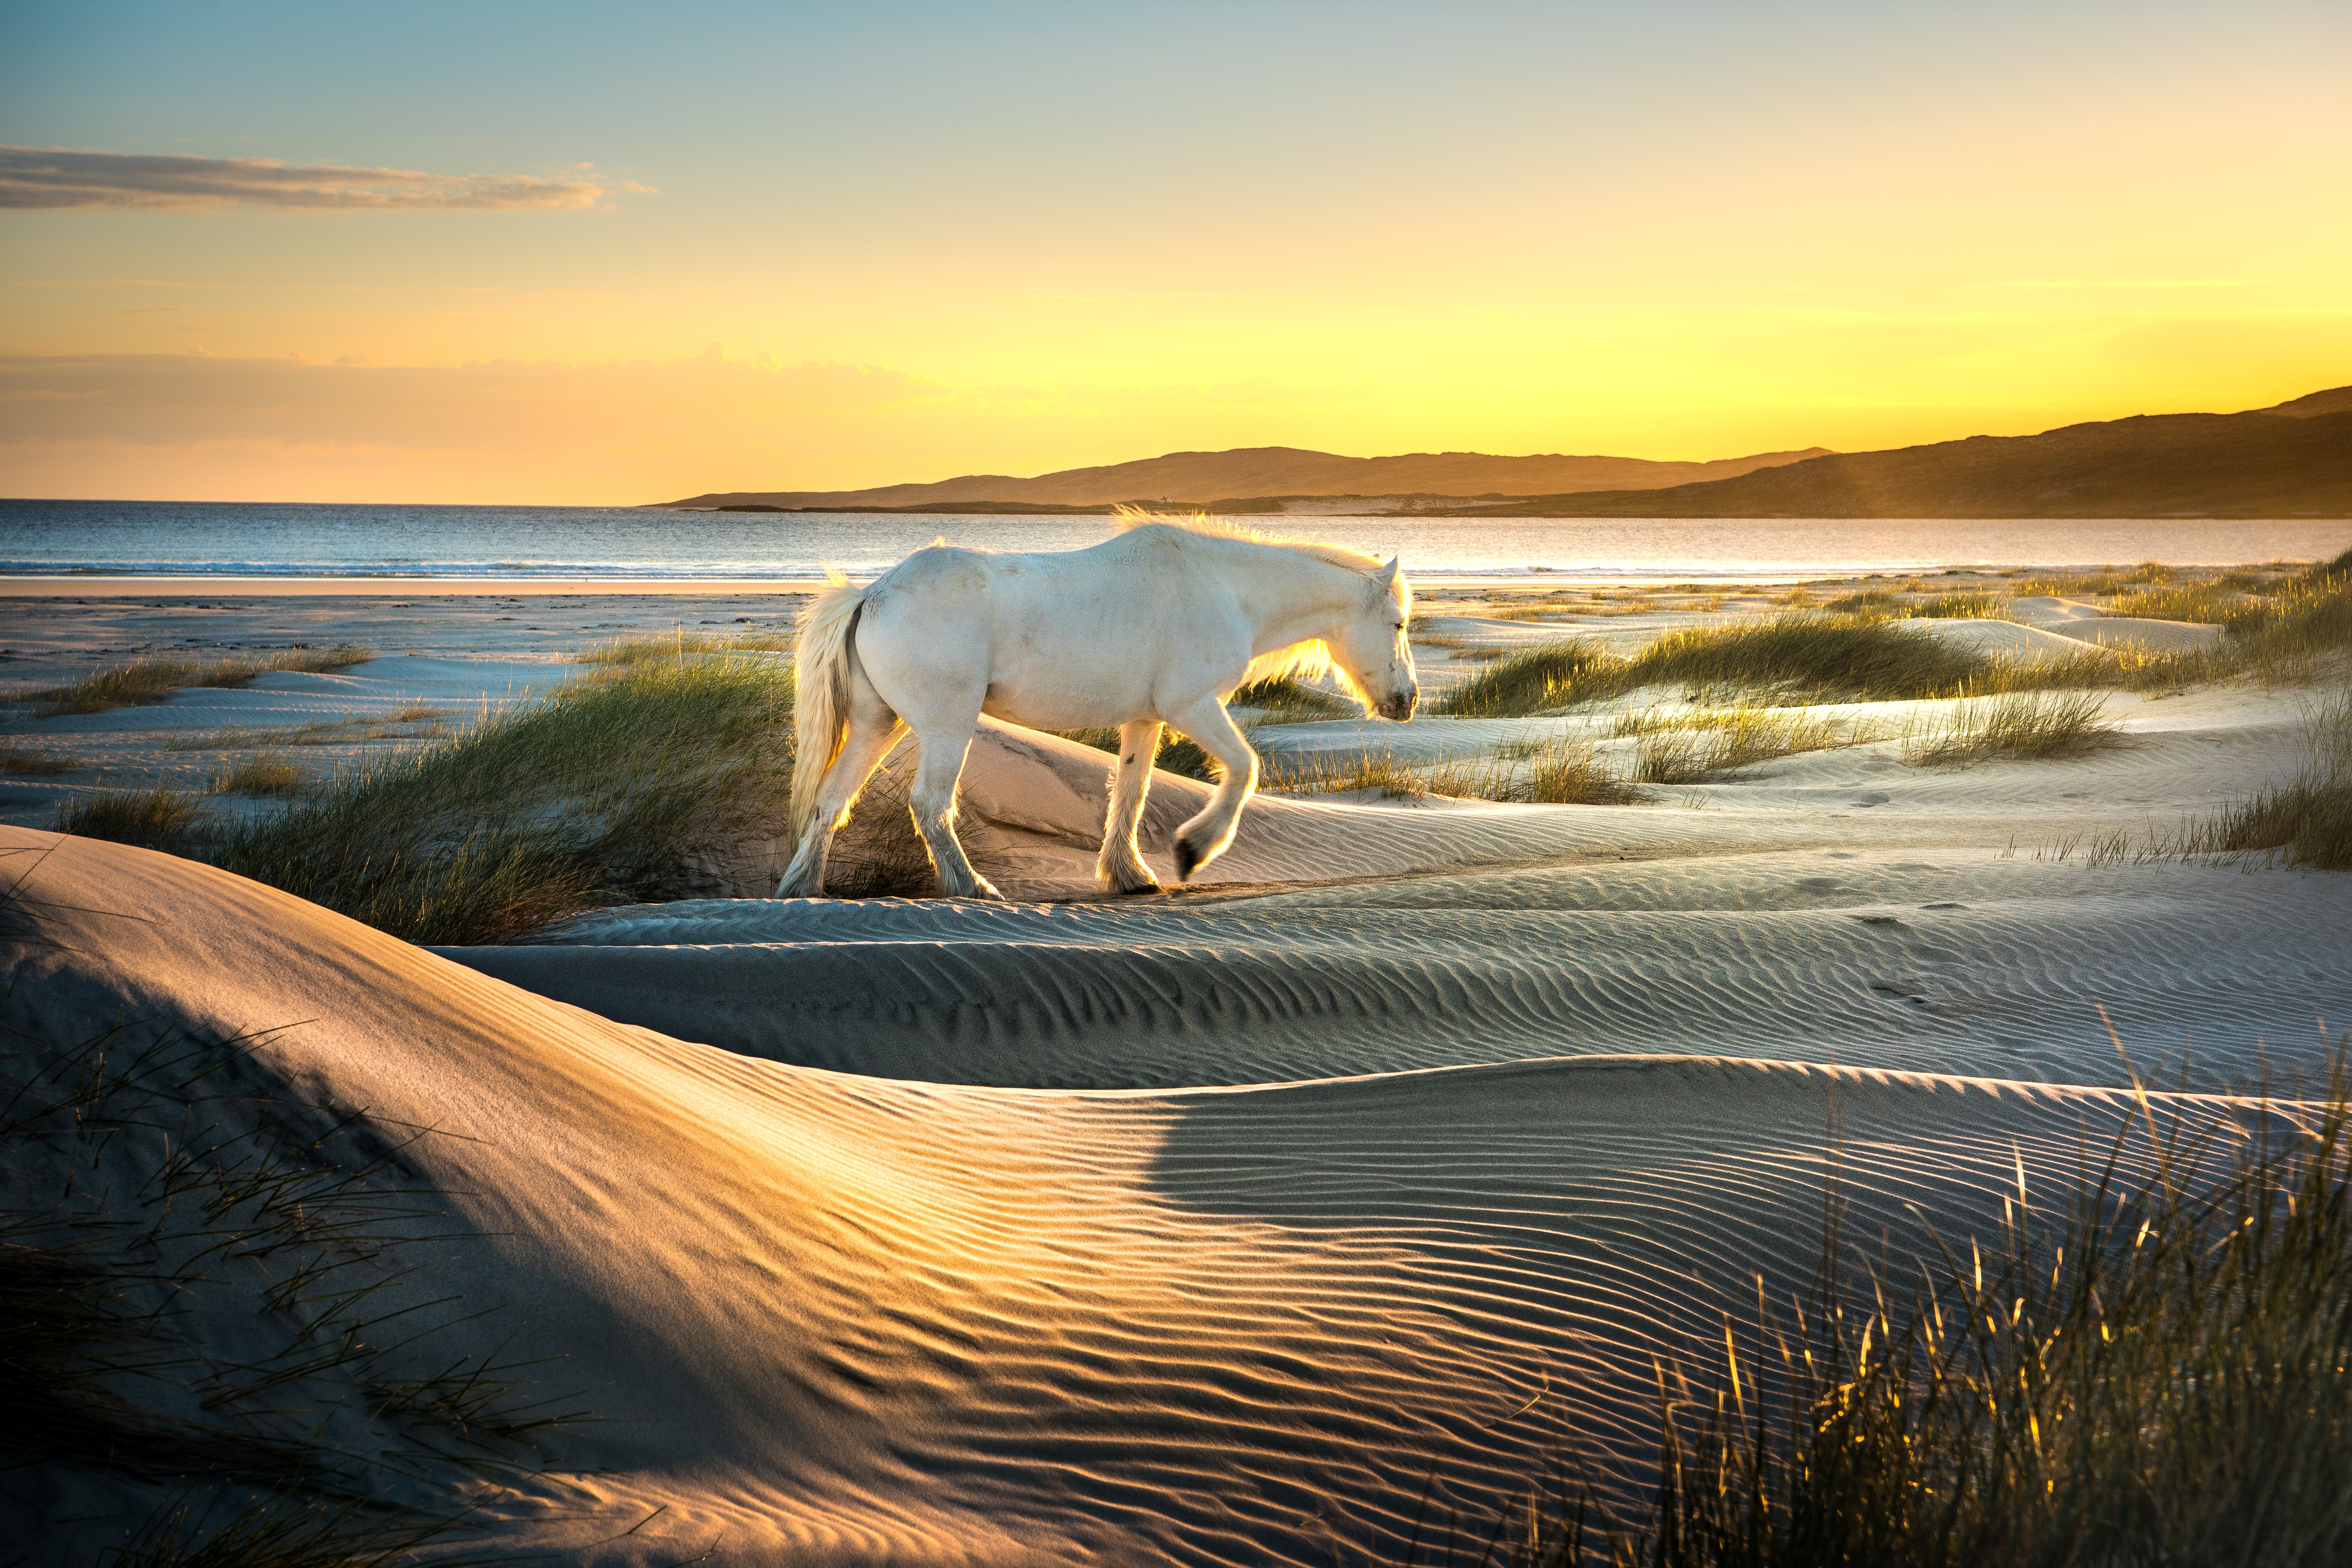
x=2019 y=725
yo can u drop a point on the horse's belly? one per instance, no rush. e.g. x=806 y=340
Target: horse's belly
x=1050 y=709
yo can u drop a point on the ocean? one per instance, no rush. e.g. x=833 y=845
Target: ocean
x=86 y=538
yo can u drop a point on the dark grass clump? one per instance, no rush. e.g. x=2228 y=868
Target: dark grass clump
x=1805 y=655
x=604 y=792
x=149 y=680
x=32 y=762
x=1288 y=700
x=2155 y=1369
x=161 y=819
x=1177 y=753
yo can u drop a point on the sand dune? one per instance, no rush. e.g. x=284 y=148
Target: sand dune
x=839 y=1317
x=1210 y=1229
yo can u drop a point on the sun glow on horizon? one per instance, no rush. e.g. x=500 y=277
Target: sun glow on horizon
x=956 y=248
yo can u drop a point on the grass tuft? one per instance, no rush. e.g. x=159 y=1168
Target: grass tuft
x=151 y=680
x=2158 y=1370
x=1959 y=607
x=1696 y=746
x=1289 y=701
x=32 y=762
x=606 y=789
x=2024 y=725
x=1810 y=655
x=1552 y=676
x=261 y=776
x=2304 y=821
x=626 y=652
x=161 y=819
x=1554 y=772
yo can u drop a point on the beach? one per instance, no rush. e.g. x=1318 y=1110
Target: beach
x=1386 y=1162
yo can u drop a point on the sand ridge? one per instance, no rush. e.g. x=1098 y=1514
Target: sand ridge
x=1210 y=1227
x=842 y=1318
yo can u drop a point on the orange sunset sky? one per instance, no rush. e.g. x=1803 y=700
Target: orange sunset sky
x=582 y=254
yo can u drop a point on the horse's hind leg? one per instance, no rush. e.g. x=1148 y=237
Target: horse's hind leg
x=873 y=729
x=1120 y=868
x=933 y=802
x=1204 y=837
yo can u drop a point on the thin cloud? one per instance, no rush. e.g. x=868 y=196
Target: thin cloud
x=51 y=179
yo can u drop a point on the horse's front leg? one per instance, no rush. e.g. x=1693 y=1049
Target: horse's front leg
x=1204 y=837
x=1120 y=868
x=933 y=804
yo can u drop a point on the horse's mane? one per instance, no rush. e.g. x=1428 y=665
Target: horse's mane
x=1127 y=517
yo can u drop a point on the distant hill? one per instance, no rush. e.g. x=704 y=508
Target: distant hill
x=1200 y=477
x=2292 y=461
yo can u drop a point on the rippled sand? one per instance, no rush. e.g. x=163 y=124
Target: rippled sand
x=1218 y=1227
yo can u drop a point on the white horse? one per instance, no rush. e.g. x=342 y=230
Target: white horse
x=1156 y=626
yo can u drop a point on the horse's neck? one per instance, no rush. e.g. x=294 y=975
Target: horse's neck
x=1290 y=593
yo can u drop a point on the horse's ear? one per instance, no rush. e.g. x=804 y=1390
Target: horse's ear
x=1389 y=571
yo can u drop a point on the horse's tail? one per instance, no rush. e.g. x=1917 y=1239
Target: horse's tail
x=820 y=707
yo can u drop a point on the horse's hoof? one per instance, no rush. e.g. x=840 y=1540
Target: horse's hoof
x=1188 y=859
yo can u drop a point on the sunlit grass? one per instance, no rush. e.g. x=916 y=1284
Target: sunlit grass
x=1803 y=655
x=1693 y=745
x=1539 y=772
x=680 y=644
x=605 y=790
x=2023 y=725
x=2290 y=634
x=2154 y=1367
x=602 y=790
x=1959 y=607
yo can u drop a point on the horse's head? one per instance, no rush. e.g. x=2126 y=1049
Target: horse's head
x=1371 y=646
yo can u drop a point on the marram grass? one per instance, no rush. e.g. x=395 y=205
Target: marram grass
x=2149 y=1370
x=2295 y=630
x=603 y=790
x=598 y=792
x=146 y=680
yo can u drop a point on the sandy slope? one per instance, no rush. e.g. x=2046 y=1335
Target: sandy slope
x=1211 y=1227
x=834 y=1318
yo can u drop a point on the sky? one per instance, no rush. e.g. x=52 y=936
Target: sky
x=592 y=254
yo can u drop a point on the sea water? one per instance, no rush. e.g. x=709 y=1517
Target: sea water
x=86 y=538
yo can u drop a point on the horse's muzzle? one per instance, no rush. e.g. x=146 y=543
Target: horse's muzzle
x=1401 y=705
